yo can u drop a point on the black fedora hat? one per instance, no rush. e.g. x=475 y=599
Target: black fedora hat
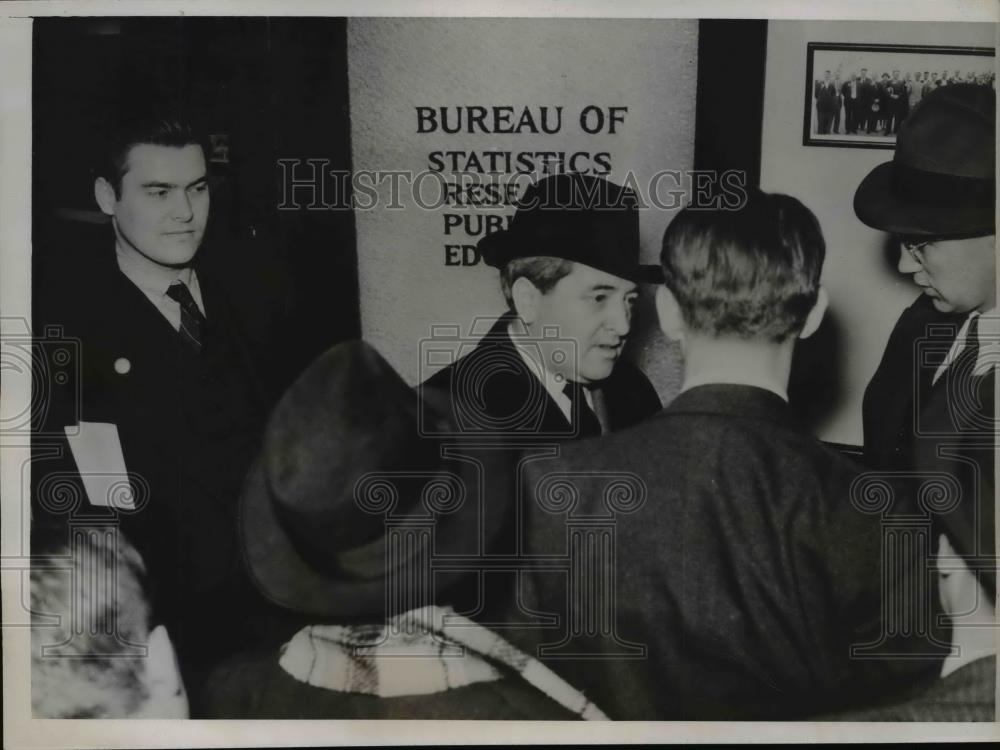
x=941 y=181
x=577 y=217
x=341 y=455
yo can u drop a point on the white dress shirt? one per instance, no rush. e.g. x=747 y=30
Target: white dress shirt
x=153 y=281
x=554 y=384
x=989 y=344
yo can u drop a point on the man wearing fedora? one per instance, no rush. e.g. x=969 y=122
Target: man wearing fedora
x=930 y=405
x=550 y=367
x=738 y=573
x=341 y=517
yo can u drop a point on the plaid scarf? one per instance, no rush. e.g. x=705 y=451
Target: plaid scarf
x=417 y=653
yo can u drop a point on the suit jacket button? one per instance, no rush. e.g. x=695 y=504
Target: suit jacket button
x=122 y=366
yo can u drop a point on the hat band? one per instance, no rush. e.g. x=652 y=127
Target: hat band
x=942 y=189
x=365 y=562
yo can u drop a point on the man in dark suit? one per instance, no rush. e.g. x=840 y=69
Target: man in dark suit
x=549 y=370
x=171 y=369
x=550 y=367
x=838 y=105
x=882 y=104
x=930 y=406
x=851 y=93
x=735 y=572
x=825 y=93
x=867 y=118
x=898 y=104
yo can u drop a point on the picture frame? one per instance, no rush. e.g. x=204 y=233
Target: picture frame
x=856 y=95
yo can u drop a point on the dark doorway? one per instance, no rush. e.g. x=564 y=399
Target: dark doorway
x=268 y=89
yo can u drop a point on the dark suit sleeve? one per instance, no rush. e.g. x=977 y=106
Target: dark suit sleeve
x=884 y=589
x=887 y=409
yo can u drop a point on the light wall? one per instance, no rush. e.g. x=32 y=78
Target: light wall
x=396 y=65
x=867 y=293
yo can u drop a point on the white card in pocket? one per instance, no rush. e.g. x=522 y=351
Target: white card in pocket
x=97 y=451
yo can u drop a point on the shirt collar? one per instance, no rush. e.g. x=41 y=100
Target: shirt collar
x=554 y=385
x=727 y=379
x=988 y=339
x=989 y=320
x=148 y=276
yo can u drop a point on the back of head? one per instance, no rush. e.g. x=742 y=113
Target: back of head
x=91 y=654
x=751 y=272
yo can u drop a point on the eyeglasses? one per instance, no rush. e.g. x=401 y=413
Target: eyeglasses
x=916 y=248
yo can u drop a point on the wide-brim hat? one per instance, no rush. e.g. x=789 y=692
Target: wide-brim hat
x=941 y=181
x=342 y=461
x=576 y=217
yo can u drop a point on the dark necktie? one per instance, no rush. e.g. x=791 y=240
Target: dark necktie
x=191 y=318
x=964 y=363
x=587 y=424
x=962 y=388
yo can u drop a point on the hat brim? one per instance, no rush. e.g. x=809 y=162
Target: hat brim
x=499 y=248
x=281 y=574
x=288 y=580
x=878 y=206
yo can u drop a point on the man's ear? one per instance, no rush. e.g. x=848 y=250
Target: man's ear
x=105 y=196
x=525 y=295
x=815 y=316
x=668 y=310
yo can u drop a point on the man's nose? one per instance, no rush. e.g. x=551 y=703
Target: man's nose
x=182 y=207
x=907 y=263
x=620 y=318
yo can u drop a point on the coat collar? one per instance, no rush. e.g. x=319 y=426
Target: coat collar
x=724 y=399
x=513 y=392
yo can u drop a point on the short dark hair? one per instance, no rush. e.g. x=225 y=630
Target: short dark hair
x=96 y=575
x=543 y=271
x=158 y=128
x=753 y=272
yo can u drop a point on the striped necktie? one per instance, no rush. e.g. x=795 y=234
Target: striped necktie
x=586 y=423
x=191 y=318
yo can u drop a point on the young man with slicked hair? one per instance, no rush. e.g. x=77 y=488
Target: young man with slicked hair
x=177 y=344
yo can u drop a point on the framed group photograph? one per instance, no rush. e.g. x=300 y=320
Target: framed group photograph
x=857 y=95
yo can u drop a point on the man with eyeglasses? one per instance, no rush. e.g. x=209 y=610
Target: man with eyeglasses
x=929 y=410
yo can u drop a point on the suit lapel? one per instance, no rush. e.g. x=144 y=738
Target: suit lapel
x=222 y=321
x=512 y=393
